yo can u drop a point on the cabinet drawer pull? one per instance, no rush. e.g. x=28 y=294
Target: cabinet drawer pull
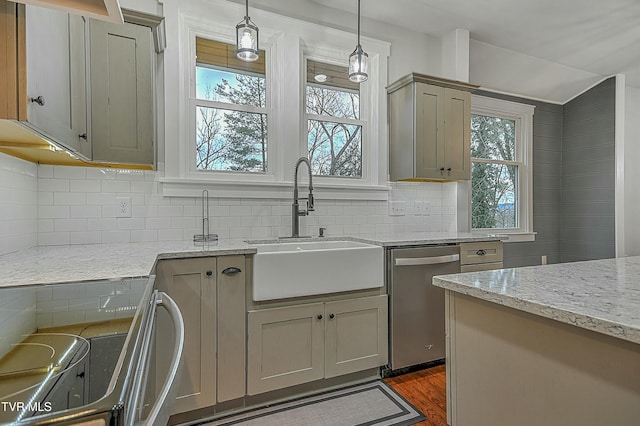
x=481 y=252
x=231 y=270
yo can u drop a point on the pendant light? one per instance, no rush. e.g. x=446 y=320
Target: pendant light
x=358 y=60
x=247 y=39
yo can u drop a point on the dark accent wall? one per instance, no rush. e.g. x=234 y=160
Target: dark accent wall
x=588 y=178
x=547 y=186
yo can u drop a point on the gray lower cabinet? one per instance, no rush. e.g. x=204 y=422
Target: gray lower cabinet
x=210 y=292
x=297 y=344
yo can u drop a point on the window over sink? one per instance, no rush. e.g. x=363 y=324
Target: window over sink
x=231 y=116
x=238 y=131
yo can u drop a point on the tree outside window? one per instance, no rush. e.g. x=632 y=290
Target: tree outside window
x=334 y=128
x=494 y=173
x=231 y=118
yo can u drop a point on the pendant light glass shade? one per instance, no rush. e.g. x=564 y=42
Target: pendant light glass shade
x=358 y=60
x=247 y=39
x=358 y=65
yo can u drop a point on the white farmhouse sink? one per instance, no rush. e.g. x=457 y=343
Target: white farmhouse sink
x=294 y=269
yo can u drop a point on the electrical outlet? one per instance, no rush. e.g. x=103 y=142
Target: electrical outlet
x=543 y=260
x=418 y=207
x=396 y=208
x=426 y=208
x=123 y=207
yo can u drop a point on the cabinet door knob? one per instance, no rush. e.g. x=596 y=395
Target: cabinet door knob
x=331 y=316
x=83 y=136
x=442 y=169
x=231 y=270
x=209 y=273
x=319 y=316
x=38 y=100
x=449 y=169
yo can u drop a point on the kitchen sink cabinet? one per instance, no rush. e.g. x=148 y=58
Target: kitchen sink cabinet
x=429 y=129
x=210 y=293
x=297 y=344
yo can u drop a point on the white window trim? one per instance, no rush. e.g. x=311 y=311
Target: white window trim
x=522 y=114
x=286 y=41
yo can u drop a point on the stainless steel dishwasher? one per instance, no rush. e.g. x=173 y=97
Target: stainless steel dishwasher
x=417 y=307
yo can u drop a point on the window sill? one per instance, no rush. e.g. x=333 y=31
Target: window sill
x=516 y=237
x=173 y=187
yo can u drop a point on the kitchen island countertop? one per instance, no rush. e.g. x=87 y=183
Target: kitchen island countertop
x=598 y=295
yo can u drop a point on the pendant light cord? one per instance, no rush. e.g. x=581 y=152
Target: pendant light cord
x=358 y=22
x=247 y=9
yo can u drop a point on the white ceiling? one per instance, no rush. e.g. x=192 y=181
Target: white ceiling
x=597 y=36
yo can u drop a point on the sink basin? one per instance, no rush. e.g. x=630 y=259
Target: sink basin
x=295 y=269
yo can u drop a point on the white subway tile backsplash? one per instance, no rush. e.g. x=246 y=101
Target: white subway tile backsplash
x=53 y=185
x=101 y=199
x=68 y=172
x=85 y=185
x=79 y=207
x=101 y=224
x=85 y=211
x=53 y=212
x=116 y=186
x=53 y=238
x=69 y=199
x=116 y=236
x=70 y=225
x=87 y=237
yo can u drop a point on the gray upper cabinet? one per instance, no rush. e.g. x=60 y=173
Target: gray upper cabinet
x=121 y=93
x=429 y=129
x=90 y=84
x=56 y=81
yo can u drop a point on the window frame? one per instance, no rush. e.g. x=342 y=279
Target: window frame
x=286 y=41
x=227 y=106
x=522 y=114
x=362 y=121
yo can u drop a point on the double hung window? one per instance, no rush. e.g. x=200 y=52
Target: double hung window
x=231 y=110
x=501 y=178
x=334 y=136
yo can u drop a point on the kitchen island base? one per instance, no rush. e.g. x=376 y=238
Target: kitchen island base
x=508 y=367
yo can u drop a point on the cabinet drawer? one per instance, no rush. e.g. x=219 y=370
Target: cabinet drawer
x=482 y=252
x=481 y=267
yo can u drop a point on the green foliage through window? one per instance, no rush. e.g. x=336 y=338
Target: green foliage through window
x=494 y=173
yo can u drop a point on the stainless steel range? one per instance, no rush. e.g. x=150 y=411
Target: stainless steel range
x=80 y=352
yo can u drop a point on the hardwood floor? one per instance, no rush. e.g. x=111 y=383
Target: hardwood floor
x=425 y=390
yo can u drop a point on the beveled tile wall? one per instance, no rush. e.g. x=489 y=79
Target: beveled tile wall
x=86 y=302
x=17 y=316
x=77 y=205
x=18 y=204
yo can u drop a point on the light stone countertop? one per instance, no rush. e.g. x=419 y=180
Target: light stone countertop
x=72 y=263
x=598 y=295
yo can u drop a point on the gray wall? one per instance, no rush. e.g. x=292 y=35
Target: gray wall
x=547 y=186
x=588 y=178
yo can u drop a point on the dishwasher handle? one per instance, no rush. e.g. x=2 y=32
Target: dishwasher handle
x=431 y=260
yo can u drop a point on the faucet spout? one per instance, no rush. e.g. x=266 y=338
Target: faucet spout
x=295 y=207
